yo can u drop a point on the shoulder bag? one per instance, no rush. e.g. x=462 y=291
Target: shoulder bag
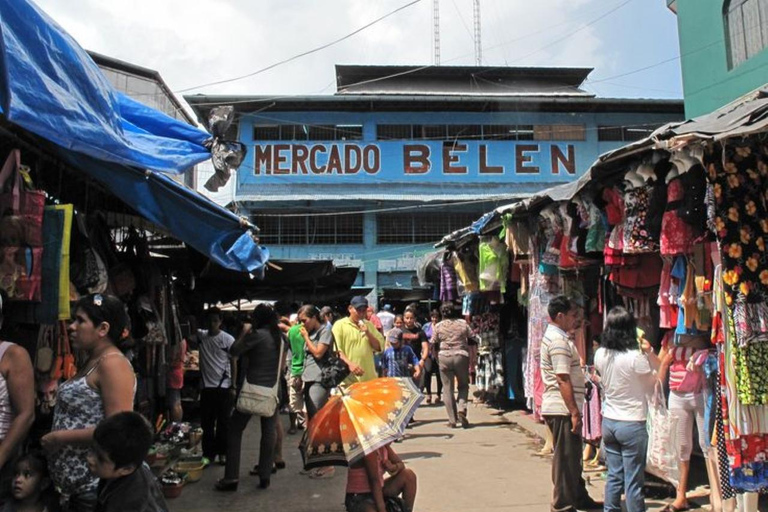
x=260 y=400
x=335 y=370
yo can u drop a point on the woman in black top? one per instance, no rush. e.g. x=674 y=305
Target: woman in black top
x=259 y=345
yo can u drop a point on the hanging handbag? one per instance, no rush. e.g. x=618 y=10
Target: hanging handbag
x=69 y=369
x=260 y=400
x=334 y=371
x=21 y=210
x=44 y=354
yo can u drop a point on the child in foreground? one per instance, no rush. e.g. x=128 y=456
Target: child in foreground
x=32 y=489
x=121 y=443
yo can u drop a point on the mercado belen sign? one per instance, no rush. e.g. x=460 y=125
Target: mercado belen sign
x=414 y=158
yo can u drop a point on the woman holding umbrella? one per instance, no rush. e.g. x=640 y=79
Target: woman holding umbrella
x=357 y=428
x=368 y=490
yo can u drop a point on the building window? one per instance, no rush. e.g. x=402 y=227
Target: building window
x=393 y=131
x=349 y=132
x=309 y=230
x=266 y=133
x=559 y=132
x=420 y=228
x=500 y=132
x=294 y=132
x=746 y=29
x=623 y=133
x=492 y=132
x=464 y=131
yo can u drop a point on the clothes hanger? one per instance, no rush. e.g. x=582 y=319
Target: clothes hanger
x=633 y=178
x=646 y=172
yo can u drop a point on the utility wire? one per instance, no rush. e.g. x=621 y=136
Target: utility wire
x=304 y=54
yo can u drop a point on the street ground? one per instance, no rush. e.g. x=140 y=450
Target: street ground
x=494 y=465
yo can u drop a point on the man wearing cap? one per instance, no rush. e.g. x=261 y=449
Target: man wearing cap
x=387 y=318
x=357 y=339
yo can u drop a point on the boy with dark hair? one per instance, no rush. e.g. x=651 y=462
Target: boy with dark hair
x=398 y=359
x=120 y=444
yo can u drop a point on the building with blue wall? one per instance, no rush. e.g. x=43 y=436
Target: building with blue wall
x=377 y=173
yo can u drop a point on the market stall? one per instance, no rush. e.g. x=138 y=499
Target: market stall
x=87 y=202
x=673 y=228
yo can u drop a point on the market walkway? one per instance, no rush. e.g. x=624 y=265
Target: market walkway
x=492 y=466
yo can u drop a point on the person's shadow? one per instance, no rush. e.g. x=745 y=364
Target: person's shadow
x=419 y=455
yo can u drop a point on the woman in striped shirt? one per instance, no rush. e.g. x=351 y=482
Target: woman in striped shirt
x=684 y=363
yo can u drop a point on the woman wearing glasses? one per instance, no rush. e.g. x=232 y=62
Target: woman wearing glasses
x=104 y=386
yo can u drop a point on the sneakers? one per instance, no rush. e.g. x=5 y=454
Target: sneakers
x=463 y=420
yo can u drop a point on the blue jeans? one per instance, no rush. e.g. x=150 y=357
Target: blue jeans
x=626 y=444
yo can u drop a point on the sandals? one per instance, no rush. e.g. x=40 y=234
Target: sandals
x=671 y=508
x=225 y=485
x=320 y=473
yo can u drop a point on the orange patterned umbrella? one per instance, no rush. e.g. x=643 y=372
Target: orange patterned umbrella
x=365 y=417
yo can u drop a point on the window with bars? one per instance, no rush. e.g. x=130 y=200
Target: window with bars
x=560 y=132
x=441 y=132
x=623 y=133
x=393 y=131
x=419 y=228
x=293 y=132
x=309 y=230
x=746 y=28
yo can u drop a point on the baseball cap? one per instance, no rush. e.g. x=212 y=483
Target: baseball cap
x=387 y=307
x=358 y=302
x=395 y=335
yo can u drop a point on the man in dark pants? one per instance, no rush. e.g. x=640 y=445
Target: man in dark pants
x=561 y=407
x=217 y=369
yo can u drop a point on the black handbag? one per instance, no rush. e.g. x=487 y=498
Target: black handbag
x=334 y=370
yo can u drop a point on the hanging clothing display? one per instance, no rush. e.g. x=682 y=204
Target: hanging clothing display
x=493 y=268
x=676 y=234
x=742 y=231
x=447 y=280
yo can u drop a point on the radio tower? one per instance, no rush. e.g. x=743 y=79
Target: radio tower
x=436 y=32
x=478 y=36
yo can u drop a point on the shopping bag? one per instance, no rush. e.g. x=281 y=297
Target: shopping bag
x=663 y=455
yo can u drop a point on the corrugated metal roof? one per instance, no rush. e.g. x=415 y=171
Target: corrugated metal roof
x=745 y=116
x=383 y=196
x=468 y=80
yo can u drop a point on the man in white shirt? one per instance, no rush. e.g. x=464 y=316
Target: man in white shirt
x=217 y=369
x=562 y=403
x=387 y=318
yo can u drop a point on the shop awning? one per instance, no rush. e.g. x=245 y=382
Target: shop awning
x=291 y=280
x=745 y=116
x=187 y=215
x=51 y=88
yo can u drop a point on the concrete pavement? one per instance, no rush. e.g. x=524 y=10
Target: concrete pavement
x=492 y=466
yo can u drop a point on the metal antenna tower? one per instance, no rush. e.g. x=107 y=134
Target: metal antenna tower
x=478 y=36
x=436 y=32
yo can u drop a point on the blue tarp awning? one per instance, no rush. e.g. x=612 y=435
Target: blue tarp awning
x=49 y=86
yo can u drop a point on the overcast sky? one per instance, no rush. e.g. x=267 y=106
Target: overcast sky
x=192 y=42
